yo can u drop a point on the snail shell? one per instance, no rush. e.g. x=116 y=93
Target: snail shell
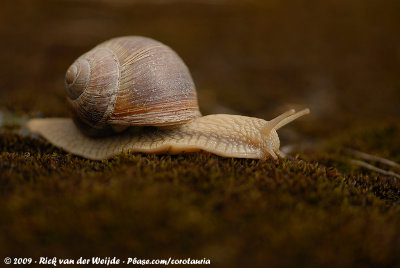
x=130 y=81
x=136 y=81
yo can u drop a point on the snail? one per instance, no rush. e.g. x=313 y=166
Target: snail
x=136 y=94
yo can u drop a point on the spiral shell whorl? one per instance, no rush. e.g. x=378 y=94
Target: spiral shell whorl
x=76 y=78
x=130 y=81
x=93 y=91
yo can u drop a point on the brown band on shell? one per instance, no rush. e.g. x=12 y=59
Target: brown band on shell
x=158 y=115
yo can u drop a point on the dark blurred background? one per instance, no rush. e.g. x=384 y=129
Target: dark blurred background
x=257 y=58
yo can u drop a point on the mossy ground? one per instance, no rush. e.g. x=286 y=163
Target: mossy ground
x=311 y=210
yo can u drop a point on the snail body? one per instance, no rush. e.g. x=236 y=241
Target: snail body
x=141 y=88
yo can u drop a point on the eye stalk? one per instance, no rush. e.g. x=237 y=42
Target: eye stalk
x=291 y=117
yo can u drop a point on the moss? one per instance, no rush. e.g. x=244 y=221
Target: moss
x=233 y=211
